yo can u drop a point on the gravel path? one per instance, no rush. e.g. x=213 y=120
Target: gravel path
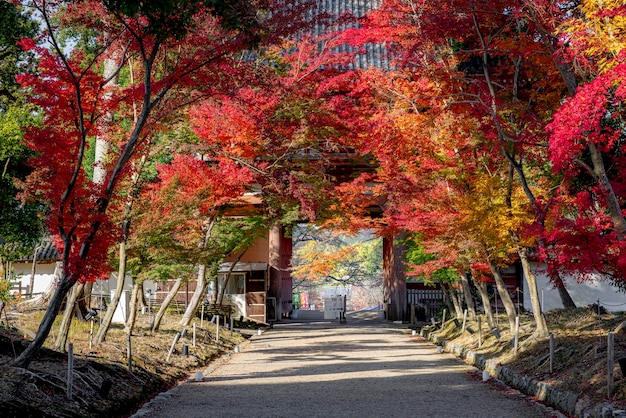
x=365 y=368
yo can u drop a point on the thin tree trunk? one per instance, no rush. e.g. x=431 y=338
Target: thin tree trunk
x=201 y=283
x=531 y=281
x=84 y=301
x=509 y=306
x=196 y=298
x=612 y=203
x=484 y=295
x=454 y=297
x=467 y=295
x=566 y=298
x=220 y=297
x=119 y=288
x=227 y=278
x=216 y=290
x=133 y=307
x=63 y=288
x=121 y=270
x=448 y=300
x=103 y=145
x=33 y=270
x=70 y=307
x=170 y=296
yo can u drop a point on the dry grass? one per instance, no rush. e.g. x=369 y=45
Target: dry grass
x=41 y=390
x=580 y=344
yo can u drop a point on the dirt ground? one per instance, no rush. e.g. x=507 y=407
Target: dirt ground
x=102 y=385
x=580 y=351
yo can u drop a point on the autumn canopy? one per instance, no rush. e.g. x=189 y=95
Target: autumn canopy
x=486 y=132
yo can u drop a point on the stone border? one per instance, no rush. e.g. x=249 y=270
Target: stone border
x=563 y=400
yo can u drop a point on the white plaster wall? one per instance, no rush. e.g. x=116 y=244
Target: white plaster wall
x=583 y=294
x=43 y=275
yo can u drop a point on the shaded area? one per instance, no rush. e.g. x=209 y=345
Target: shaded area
x=355 y=370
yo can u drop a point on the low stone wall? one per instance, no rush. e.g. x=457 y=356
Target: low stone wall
x=565 y=401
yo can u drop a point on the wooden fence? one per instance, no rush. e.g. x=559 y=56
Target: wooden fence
x=427 y=303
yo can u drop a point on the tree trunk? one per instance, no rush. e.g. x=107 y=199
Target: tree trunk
x=448 y=301
x=566 y=298
x=612 y=203
x=531 y=281
x=220 y=297
x=63 y=288
x=121 y=268
x=196 y=298
x=216 y=289
x=227 y=278
x=110 y=69
x=33 y=270
x=509 y=306
x=83 y=303
x=467 y=295
x=454 y=298
x=70 y=308
x=484 y=295
x=132 y=309
x=119 y=288
x=170 y=296
x=201 y=283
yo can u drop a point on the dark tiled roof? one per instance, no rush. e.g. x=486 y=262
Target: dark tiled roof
x=375 y=55
x=47 y=252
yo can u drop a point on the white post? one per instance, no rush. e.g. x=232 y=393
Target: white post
x=610 y=354
x=515 y=345
x=443 y=319
x=70 y=370
x=193 y=344
x=232 y=325
x=129 y=353
x=495 y=296
x=90 y=334
x=217 y=328
x=174 y=341
x=551 y=352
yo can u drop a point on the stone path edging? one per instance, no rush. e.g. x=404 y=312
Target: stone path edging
x=564 y=400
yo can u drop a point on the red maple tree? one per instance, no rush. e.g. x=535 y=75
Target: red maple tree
x=181 y=55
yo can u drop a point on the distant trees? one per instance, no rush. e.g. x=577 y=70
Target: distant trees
x=20 y=225
x=331 y=258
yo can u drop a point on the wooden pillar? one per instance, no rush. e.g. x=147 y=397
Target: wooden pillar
x=280 y=283
x=394 y=282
